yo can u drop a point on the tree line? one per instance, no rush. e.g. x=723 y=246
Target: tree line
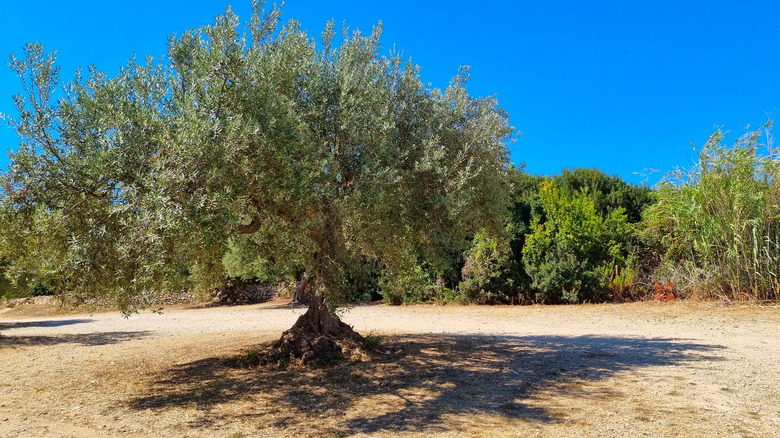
x=709 y=231
x=252 y=152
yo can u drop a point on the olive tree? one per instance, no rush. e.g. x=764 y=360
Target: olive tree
x=250 y=137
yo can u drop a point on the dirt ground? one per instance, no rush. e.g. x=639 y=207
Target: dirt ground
x=642 y=369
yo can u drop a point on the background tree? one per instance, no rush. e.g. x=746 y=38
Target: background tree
x=608 y=193
x=565 y=254
x=493 y=269
x=588 y=212
x=340 y=154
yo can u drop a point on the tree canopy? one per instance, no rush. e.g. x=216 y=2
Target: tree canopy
x=244 y=139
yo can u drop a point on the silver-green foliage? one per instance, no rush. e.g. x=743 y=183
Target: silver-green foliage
x=331 y=154
x=720 y=221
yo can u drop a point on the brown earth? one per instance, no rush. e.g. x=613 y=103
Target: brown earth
x=642 y=369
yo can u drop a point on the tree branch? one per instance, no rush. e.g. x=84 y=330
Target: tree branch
x=252 y=227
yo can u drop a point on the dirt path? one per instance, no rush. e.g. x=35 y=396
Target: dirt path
x=672 y=369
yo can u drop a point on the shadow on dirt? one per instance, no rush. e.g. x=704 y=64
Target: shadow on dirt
x=426 y=380
x=88 y=339
x=43 y=323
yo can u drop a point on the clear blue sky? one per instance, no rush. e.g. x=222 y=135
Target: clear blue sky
x=621 y=86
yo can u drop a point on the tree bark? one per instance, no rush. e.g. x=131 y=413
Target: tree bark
x=300 y=296
x=317 y=337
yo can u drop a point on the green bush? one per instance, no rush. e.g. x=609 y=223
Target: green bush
x=623 y=280
x=572 y=263
x=414 y=285
x=372 y=342
x=488 y=272
x=419 y=283
x=608 y=193
x=564 y=255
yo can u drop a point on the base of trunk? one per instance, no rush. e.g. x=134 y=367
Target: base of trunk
x=316 y=338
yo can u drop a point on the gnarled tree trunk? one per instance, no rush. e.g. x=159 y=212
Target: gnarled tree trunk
x=318 y=336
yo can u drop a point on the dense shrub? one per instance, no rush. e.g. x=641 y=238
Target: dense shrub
x=566 y=253
x=608 y=193
x=489 y=274
x=417 y=284
x=572 y=263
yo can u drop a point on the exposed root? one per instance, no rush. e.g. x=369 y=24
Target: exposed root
x=317 y=338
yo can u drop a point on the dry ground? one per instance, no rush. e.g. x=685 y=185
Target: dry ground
x=653 y=369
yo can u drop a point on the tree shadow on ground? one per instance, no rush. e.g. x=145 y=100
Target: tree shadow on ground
x=423 y=382
x=87 y=339
x=43 y=323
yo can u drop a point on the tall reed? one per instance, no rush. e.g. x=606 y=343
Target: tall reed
x=719 y=221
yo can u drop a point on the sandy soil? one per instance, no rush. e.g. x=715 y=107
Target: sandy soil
x=643 y=369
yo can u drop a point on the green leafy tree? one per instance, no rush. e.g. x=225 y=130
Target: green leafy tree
x=608 y=193
x=564 y=255
x=337 y=152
